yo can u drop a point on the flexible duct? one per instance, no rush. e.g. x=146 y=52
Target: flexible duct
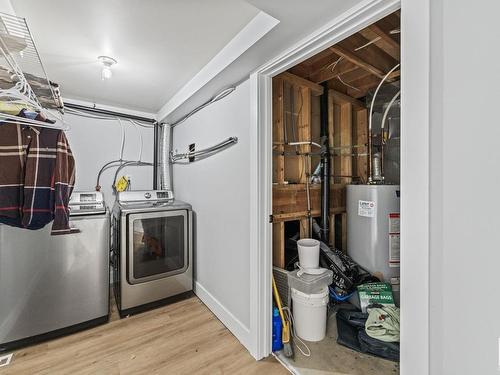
x=164 y=158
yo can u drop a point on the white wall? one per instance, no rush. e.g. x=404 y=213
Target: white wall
x=95 y=142
x=6 y=7
x=219 y=190
x=465 y=153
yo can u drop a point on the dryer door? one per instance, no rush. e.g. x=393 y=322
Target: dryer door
x=157 y=245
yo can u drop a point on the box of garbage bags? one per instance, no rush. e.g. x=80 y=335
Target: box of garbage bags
x=375 y=293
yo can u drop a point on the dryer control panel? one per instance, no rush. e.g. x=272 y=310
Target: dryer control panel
x=146 y=196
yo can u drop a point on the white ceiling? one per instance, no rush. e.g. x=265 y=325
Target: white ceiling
x=159 y=45
x=297 y=20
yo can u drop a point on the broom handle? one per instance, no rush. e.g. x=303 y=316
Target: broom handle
x=278 y=302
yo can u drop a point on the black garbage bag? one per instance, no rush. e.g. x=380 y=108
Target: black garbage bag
x=347 y=274
x=351 y=333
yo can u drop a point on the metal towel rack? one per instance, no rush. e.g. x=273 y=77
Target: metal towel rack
x=202 y=154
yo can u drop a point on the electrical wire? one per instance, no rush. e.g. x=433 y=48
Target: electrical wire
x=303 y=143
x=222 y=94
x=293 y=115
x=121 y=161
x=122 y=148
x=368 y=43
x=141 y=140
x=346 y=84
x=73 y=111
x=303 y=348
x=333 y=65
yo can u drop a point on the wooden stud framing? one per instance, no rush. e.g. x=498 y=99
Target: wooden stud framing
x=316 y=89
x=304 y=130
x=350 y=56
x=360 y=135
x=387 y=43
x=352 y=67
x=341 y=98
x=304 y=228
x=327 y=73
x=279 y=244
x=278 y=147
x=346 y=143
x=293 y=103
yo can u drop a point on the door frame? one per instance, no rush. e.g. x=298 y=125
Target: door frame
x=415 y=46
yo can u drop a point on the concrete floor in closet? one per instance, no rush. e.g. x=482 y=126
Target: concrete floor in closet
x=328 y=357
x=181 y=338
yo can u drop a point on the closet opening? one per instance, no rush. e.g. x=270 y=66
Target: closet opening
x=336 y=206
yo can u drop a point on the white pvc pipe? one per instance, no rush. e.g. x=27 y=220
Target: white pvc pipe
x=303 y=143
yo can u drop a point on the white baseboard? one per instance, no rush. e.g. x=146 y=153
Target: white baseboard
x=237 y=328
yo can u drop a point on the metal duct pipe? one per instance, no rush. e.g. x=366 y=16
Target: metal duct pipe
x=384 y=117
x=156 y=149
x=164 y=157
x=325 y=166
x=370 y=115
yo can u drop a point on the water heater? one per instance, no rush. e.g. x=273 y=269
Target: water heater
x=373 y=228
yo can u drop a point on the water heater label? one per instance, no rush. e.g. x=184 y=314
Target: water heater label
x=394 y=223
x=367 y=208
x=394 y=247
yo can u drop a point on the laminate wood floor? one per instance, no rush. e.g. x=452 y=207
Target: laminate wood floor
x=181 y=338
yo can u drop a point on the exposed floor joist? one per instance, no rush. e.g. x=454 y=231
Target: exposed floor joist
x=358 y=63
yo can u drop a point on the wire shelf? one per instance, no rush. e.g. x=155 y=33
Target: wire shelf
x=20 y=65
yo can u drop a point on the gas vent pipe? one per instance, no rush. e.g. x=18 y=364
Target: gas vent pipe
x=165 y=144
x=374 y=161
x=383 y=132
x=325 y=166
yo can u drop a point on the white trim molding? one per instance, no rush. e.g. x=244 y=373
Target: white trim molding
x=339 y=28
x=415 y=267
x=415 y=187
x=260 y=208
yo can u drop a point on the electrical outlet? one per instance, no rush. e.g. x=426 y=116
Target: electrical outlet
x=5 y=359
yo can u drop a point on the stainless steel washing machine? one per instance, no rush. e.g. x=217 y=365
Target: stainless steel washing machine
x=55 y=285
x=151 y=250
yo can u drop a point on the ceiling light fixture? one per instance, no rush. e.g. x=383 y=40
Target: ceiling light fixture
x=106 y=62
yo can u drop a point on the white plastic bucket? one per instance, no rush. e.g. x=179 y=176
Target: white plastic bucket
x=310 y=314
x=308 y=253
